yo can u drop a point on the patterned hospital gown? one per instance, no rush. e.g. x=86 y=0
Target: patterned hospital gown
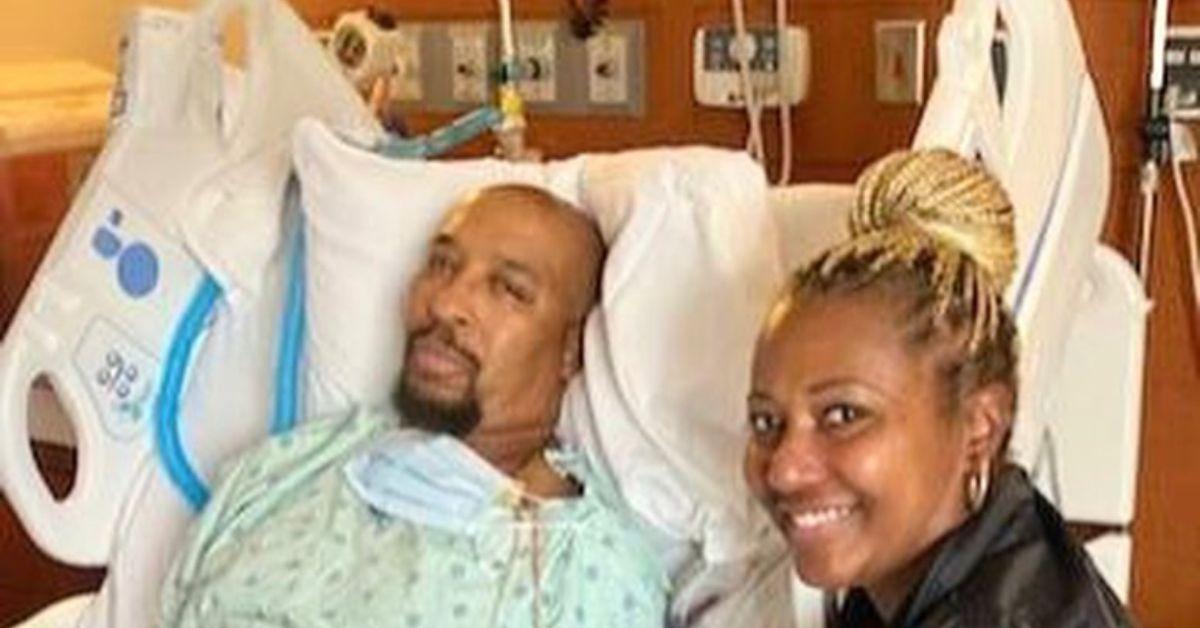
x=286 y=541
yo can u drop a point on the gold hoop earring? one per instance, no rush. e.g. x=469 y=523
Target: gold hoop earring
x=977 y=488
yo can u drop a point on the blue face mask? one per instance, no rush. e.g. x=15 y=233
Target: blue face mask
x=429 y=479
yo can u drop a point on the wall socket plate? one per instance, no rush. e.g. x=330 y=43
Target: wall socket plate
x=470 y=63
x=900 y=61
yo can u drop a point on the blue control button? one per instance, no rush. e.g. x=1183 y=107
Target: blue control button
x=106 y=244
x=137 y=270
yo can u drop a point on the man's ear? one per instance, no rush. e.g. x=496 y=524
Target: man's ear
x=572 y=358
x=989 y=412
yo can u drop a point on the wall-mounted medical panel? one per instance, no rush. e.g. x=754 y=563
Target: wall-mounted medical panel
x=456 y=65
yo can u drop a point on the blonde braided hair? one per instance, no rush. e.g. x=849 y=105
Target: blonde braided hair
x=942 y=228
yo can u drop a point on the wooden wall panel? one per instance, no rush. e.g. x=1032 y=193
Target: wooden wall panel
x=1166 y=588
x=1167 y=526
x=1166 y=585
x=37 y=580
x=840 y=127
x=33 y=198
x=9 y=289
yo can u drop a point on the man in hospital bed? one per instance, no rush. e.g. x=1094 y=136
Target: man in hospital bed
x=453 y=507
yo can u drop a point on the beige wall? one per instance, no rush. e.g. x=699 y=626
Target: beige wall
x=32 y=30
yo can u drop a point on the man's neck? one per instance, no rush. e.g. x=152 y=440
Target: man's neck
x=520 y=456
x=541 y=479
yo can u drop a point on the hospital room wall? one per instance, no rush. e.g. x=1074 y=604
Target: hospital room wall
x=85 y=30
x=1166 y=581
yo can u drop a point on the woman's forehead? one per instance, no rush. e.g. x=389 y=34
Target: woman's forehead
x=856 y=336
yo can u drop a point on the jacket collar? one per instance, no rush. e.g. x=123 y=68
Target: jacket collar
x=995 y=529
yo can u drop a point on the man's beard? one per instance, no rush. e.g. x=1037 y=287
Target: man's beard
x=457 y=418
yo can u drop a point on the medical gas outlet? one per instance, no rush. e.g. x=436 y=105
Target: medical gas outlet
x=608 y=68
x=470 y=62
x=537 y=57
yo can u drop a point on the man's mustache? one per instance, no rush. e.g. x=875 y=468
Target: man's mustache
x=444 y=335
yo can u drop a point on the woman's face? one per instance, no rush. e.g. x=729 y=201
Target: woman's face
x=851 y=451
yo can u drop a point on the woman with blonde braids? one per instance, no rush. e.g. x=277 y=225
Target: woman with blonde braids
x=884 y=387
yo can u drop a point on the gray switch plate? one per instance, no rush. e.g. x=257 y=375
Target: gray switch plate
x=571 y=70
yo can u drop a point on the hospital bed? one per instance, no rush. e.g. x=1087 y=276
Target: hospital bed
x=1079 y=307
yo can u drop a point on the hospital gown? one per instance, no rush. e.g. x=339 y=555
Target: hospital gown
x=287 y=541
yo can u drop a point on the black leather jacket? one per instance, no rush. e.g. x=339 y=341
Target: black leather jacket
x=1014 y=564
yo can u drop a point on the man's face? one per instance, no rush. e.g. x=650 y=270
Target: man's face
x=492 y=321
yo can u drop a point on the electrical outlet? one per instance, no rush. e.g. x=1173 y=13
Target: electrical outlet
x=608 y=68
x=1183 y=142
x=537 y=56
x=900 y=61
x=406 y=81
x=469 y=62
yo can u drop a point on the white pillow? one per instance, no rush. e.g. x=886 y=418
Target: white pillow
x=690 y=273
x=692 y=264
x=811 y=217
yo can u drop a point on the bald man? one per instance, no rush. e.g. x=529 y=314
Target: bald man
x=454 y=508
x=495 y=325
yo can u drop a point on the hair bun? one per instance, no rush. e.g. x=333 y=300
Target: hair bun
x=950 y=200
